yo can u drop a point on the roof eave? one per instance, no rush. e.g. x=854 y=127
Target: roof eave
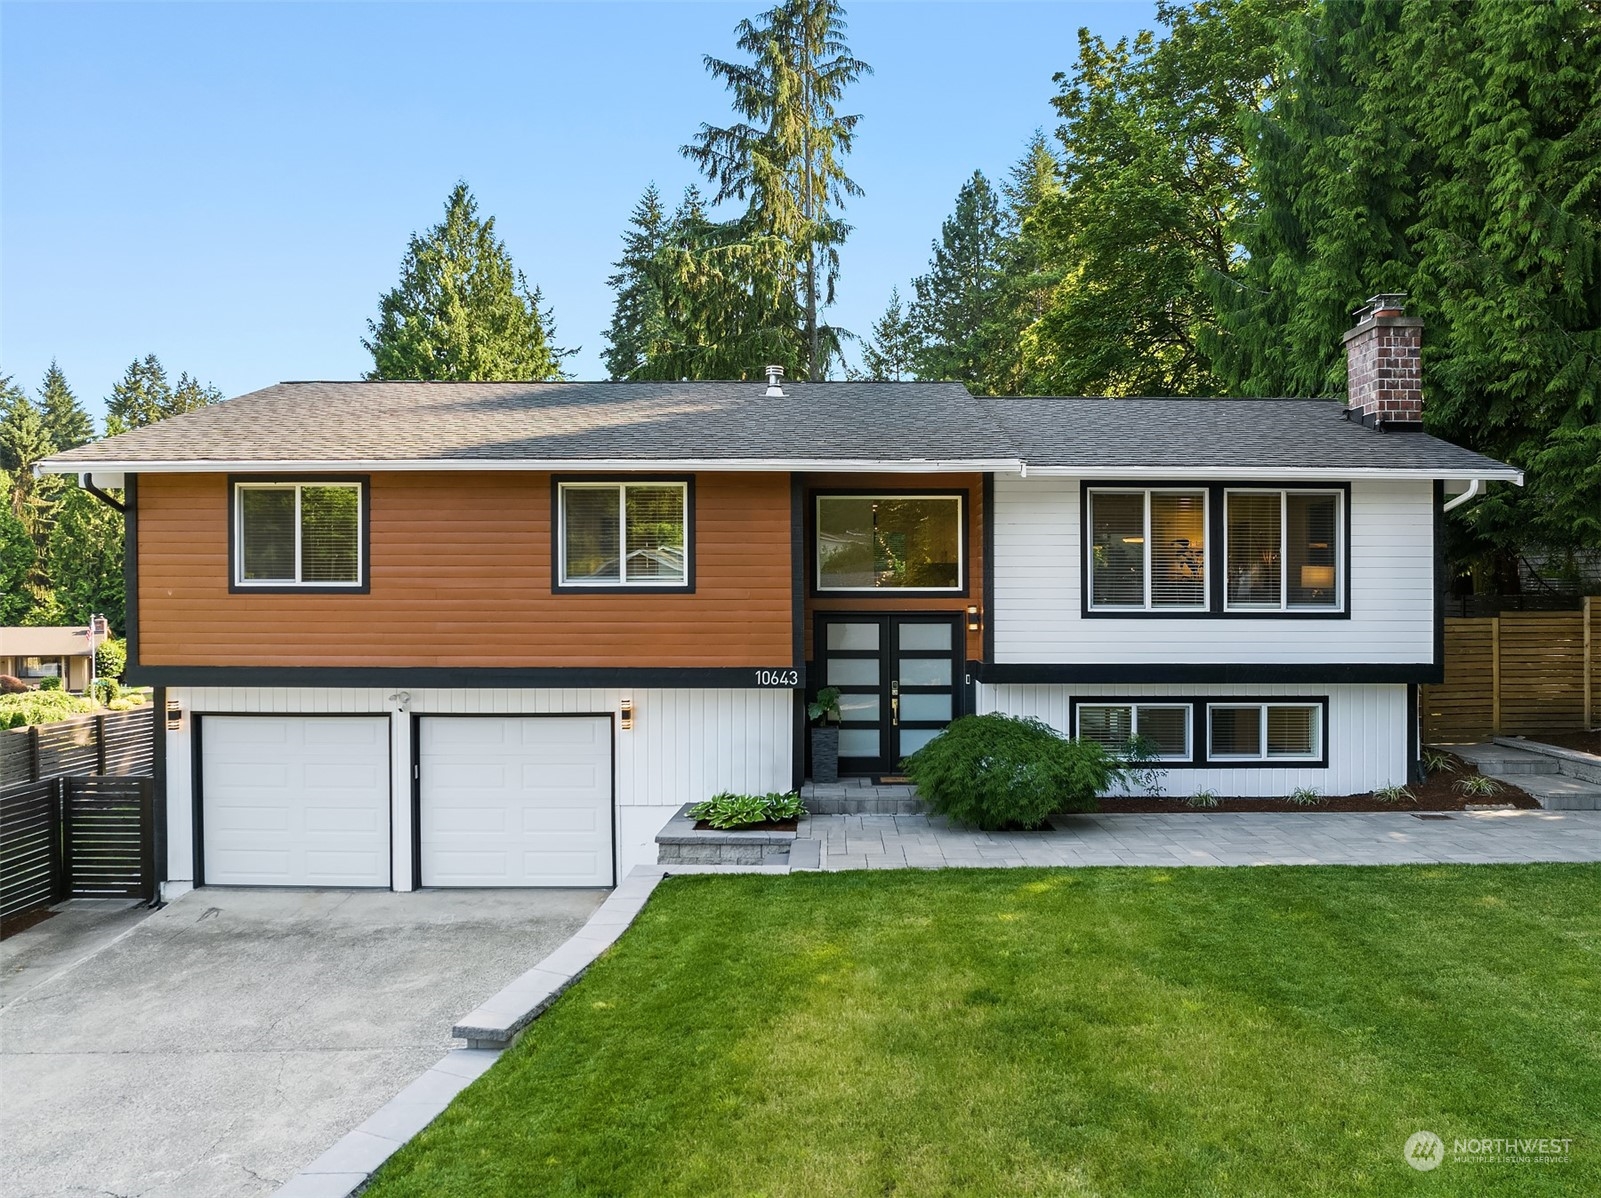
x=1494 y=472
x=616 y=465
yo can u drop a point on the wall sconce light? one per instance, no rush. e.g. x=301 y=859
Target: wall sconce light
x=626 y=709
x=972 y=617
x=174 y=715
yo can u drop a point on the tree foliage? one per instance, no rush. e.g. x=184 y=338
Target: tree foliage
x=144 y=395
x=462 y=311
x=890 y=353
x=957 y=300
x=66 y=422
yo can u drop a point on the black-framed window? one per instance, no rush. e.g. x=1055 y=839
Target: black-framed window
x=1165 y=727
x=1191 y=731
x=1284 y=549
x=1147 y=549
x=299 y=534
x=1238 y=730
x=902 y=542
x=632 y=534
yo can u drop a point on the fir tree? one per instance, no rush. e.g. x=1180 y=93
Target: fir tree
x=891 y=352
x=638 y=322
x=82 y=556
x=956 y=300
x=141 y=397
x=785 y=160
x=66 y=422
x=30 y=499
x=1029 y=275
x=462 y=310
x=17 y=561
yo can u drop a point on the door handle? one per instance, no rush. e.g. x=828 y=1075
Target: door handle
x=895 y=704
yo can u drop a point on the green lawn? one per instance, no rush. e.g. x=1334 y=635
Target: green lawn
x=1266 y=1031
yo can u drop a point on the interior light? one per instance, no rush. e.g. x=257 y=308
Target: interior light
x=1133 y=540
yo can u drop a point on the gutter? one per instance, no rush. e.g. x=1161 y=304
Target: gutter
x=553 y=465
x=1474 y=486
x=86 y=481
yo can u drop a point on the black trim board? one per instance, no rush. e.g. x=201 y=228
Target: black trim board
x=797 y=609
x=1414 y=762
x=1441 y=576
x=130 y=571
x=987 y=601
x=197 y=779
x=1217 y=535
x=557 y=528
x=364 y=481
x=491 y=678
x=1249 y=672
x=158 y=770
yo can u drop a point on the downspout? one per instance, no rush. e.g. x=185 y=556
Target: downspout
x=1474 y=486
x=86 y=481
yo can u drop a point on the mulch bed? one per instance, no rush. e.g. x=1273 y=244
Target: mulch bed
x=780 y=825
x=1438 y=793
x=1584 y=742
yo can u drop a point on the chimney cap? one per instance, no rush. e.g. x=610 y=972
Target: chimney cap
x=1388 y=303
x=775 y=382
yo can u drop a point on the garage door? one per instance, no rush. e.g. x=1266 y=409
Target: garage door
x=295 y=800
x=515 y=800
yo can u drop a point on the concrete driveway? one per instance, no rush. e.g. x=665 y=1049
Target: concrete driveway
x=215 y=1046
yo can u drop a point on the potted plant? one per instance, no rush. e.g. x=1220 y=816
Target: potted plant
x=825 y=739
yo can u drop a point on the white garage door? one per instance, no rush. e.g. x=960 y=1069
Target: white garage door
x=295 y=800
x=515 y=800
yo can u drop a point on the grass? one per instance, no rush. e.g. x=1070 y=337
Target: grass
x=1258 y=1031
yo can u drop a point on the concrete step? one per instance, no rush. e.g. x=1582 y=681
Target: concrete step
x=1584 y=766
x=1560 y=793
x=1498 y=759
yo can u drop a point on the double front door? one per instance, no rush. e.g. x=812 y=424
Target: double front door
x=898 y=678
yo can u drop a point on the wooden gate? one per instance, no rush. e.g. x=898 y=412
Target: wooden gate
x=76 y=838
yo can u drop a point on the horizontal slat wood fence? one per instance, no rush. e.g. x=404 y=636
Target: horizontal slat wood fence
x=1516 y=674
x=117 y=744
x=31 y=873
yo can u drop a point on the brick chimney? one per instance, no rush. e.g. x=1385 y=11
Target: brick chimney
x=1384 y=387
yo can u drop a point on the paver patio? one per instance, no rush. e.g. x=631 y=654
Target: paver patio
x=1181 y=838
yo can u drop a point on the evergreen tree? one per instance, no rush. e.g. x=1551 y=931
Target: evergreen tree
x=141 y=397
x=638 y=323
x=189 y=395
x=66 y=422
x=785 y=160
x=17 y=561
x=29 y=499
x=890 y=354
x=83 y=559
x=1029 y=275
x=956 y=301
x=462 y=310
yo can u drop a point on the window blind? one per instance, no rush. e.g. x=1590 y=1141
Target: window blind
x=592 y=532
x=1254 y=558
x=654 y=519
x=1178 y=549
x=330 y=534
x=267 y=534
x=1311 y=548
x=1117 y=549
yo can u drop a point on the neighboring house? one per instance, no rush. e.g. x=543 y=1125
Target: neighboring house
x=34 y=654
x=469 y=634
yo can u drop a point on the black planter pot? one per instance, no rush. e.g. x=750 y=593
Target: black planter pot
x=825 y=754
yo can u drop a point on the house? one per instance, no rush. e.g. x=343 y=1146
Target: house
x=34 y=654
x=471 y=634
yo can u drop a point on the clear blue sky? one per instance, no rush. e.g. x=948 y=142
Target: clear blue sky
x=231 y=186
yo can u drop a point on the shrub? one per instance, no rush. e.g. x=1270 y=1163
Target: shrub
x=728 y=810
x=10 y=685
x=42 y=707
x=106 y=689
x=49 y=684
x=111 y=658
x=126 y=703
x=1140 y=756
x=1000 y=771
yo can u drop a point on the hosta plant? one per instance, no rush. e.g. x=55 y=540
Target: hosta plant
x=728 y=810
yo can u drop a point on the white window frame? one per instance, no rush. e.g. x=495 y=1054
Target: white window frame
x=239 y=579
x=1320 y=733
x=1134 y=706
x=622 y=580
x=1338 y=605
x=961 y=545
x=1206 y=556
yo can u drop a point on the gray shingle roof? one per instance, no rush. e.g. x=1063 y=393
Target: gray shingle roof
x=1100 y=433
x=390 y=421
x=377 y=422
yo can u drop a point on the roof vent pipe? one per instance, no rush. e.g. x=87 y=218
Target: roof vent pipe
x=775 y=382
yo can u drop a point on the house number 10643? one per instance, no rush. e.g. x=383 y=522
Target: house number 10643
x=777 y=677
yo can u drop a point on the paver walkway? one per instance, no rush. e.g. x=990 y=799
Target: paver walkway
x=1246 y=838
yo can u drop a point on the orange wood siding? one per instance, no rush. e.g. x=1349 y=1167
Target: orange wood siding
x=461 y=576
x=888 y=601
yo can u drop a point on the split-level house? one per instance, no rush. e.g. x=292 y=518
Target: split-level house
x=474 y=634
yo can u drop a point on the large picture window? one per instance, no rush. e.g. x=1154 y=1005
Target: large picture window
x=298 y=534
x=889 y=542
x=1147 y=550
x=1284 y=550
x=624 y=534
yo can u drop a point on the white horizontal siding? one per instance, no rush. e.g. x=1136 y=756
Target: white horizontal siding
x=1037 y=604
x=685 y=745
x=1366 y=736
